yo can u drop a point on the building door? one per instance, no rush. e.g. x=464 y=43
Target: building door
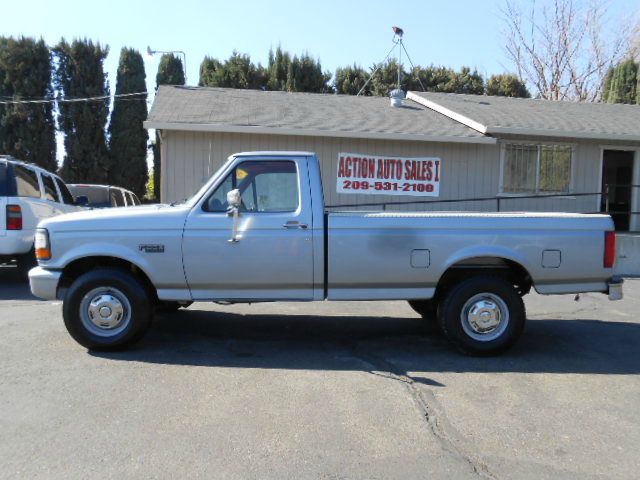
x=617 y=191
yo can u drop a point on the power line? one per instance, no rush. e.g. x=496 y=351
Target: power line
x=71 y=100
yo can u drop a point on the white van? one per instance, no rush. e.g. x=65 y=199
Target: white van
x=28 y=194
x=105 y=196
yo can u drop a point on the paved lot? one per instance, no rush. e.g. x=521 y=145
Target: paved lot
x=332 y=391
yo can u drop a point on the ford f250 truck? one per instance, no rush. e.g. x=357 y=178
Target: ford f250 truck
x=258 y=231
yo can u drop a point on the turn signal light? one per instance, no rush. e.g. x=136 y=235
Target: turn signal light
x=42 y=245
x=609 y=249
x=14 y=217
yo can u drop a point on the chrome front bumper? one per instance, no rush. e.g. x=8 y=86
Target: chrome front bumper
x=44 y=283
x=615 y=288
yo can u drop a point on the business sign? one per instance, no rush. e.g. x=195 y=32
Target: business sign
x=367 y=174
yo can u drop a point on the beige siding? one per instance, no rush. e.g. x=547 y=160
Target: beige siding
x=468 y=170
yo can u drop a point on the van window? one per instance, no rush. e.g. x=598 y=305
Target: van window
x=26 y=182
x=50 y=192
x=64 y=191
x=117 y=200
x=136 y=200
x=4 y=180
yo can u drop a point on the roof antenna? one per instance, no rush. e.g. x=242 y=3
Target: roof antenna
x=397 y=95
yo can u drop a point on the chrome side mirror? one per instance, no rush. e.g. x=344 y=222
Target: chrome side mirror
x=234 y=200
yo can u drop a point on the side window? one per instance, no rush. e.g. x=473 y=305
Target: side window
x=26 y=182
x=265 y=186
x=117 y=200
x=50 y=192
x=136 y=200
x=64 y=191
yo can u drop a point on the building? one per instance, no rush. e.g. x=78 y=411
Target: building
x=495 y=152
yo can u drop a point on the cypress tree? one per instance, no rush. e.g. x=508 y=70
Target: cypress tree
x=170 y=72
x=350 y=80
x=623 y=83
x=128 y=138
x=27 y=130
x=79 y=73
x=277 y=69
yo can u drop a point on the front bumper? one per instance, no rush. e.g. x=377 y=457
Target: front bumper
x=44 y=283
x=615 y=288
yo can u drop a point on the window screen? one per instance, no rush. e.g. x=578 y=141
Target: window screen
x=265 y=186
x=536 y=169
x=26 y=182
x=50 y=192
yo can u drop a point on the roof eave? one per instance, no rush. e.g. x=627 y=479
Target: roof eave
x=532 y=132
x=209 y=127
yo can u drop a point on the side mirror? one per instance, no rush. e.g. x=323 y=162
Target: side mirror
x=234 y=200
x=81 y=201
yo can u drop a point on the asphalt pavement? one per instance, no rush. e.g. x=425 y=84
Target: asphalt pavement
x=345 y=390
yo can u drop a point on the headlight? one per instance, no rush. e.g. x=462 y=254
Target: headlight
x=42 y=245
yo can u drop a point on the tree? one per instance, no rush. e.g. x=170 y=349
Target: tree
x=209 y=72
x=350 y=80
x=170 y=72
x=304 y=74
x=277 y=69
x=507 y=85
x=621 y=83
x=27 y=130
x=385 y=78
x=238 y=71
x=564 y=50
x=128 y=138
x=79 y=73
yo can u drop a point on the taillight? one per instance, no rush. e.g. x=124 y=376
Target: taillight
x=609 y=249
x=14 y=217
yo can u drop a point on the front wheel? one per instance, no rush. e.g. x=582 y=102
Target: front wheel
x=107 y=309
x=482 y=315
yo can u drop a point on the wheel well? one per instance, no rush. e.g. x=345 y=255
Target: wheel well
x=504 y=268
x=83 y=265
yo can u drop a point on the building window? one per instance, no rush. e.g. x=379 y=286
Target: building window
x=536 y=169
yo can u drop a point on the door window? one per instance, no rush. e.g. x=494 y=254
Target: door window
x=26 y=182
x=265 y=186
x=50 y=192
x=117 y=200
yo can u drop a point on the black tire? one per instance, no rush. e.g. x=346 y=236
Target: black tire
x=25 y=263
x=482 y=315
x=123 y=288
x=425 y=308
x=171 y=306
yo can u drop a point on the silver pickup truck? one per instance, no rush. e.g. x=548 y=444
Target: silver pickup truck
x=258 y=231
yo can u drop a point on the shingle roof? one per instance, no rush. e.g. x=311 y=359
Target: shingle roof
x=500 y=115
x=223 y=109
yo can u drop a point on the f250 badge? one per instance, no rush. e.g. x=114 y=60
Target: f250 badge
x=151 y=248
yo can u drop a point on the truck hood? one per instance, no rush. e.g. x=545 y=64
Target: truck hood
x=146 y=217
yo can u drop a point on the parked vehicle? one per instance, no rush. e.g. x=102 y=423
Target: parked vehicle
x=105 y=196
x=28 y=194
x=258 y=231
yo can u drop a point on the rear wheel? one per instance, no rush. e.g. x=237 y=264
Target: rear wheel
x=482 y=315
x=107 y=309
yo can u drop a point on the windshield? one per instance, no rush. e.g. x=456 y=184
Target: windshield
x=191 y=201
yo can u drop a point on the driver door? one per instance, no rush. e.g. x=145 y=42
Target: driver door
x=273 y=257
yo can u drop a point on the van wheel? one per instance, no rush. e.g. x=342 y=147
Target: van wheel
x=425 y=308
x=107 y=309
x=483 y=315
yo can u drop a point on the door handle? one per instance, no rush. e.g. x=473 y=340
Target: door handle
x=293 y=224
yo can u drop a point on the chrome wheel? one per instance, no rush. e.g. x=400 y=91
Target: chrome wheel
x=484 y=317
x=105 y=311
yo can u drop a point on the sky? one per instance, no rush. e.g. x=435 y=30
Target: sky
x=340 y=33
x=449 y=33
